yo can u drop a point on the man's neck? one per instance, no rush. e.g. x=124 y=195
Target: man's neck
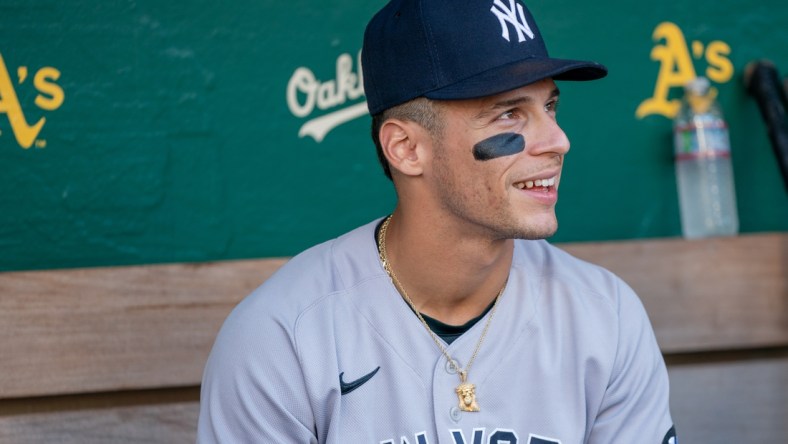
x=449 y=276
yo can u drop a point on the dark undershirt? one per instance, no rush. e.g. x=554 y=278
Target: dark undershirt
x=451 y=332
x=445 y=331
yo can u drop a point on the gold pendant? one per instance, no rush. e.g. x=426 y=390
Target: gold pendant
x=466 y=392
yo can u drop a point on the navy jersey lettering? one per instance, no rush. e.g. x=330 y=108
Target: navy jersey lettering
x=503 y=436
x=534 y=439
x=421 y=438
x=459 y=438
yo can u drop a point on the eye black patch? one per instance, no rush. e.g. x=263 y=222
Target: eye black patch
x=499 y=145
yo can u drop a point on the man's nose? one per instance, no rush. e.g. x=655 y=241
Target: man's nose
x=547 y=137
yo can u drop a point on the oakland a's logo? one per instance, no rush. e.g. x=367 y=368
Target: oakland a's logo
x=305 y=93
x=50 y=97
x=512 y=14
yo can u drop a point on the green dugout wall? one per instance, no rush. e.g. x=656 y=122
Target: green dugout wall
x=147 y=132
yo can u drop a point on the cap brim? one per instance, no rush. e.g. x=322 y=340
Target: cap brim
x=516 y=75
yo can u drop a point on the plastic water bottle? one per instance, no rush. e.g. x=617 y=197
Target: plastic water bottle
x=703 y=165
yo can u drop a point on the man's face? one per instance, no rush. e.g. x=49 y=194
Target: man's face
x=482 y=174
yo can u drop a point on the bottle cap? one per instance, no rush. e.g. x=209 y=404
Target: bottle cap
x=699 y=86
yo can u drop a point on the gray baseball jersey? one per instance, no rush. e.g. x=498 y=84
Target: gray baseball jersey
x=326 y=351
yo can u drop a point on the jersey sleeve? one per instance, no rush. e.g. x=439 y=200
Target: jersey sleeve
x=635 y=406
x=253 y=389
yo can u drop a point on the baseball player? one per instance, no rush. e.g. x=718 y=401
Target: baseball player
x=452 y=320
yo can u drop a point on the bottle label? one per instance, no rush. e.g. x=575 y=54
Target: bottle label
x=692 y=142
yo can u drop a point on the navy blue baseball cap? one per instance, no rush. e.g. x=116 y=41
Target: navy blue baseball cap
x=457 y=49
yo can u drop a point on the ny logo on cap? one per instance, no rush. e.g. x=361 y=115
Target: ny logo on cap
x=515 y=17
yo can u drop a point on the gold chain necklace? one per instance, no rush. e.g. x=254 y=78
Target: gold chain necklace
x=466 y=392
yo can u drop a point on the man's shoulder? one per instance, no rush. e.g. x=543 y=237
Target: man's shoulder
x=553 y=264
x=550 y=259
x=259 y=337
x=315 y=274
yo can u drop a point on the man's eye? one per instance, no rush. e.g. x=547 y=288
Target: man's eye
x=508 y=115
x=551 y=106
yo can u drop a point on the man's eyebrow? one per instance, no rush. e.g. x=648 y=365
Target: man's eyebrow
x=512 y=102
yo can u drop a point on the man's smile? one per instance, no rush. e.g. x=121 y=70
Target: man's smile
x=539 y=183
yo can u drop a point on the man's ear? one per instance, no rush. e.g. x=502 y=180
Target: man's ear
x=402 y=144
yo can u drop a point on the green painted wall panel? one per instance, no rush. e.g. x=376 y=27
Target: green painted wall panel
x=175 y=142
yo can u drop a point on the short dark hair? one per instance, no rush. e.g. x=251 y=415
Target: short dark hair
x=421 y=110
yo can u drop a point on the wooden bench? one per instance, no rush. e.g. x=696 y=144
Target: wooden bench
x=115 y=355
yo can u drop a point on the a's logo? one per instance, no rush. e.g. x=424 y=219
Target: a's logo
x=50 y=98
x=305 y=93
x=676 y=68
x=512 y=14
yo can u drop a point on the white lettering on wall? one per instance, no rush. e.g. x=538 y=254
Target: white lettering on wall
x=305 y=93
